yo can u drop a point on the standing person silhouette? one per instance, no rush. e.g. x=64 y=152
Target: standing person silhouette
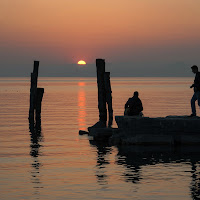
x=134 y=105
x=196 y=86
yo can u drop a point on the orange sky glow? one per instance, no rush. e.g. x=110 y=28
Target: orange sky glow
x=66 y=31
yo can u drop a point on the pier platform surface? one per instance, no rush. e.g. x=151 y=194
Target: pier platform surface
x=160 y=130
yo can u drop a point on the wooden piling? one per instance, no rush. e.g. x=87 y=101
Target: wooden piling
x=36 y=95
x=104 y=96
x=36 y=68
x=100 y=66
x=108 y=97
x=40 y=92
x=33 y=93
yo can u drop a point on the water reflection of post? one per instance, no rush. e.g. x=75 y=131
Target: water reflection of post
x=133 y=162
x=36 y=138
x=81 y=106
x=195 y=186
x=102 y=150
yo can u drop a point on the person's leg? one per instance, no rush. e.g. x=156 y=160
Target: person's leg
x=198 y=97
x=193 y=107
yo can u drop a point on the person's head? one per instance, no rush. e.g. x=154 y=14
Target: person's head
x=194 y=69
x=136 y=94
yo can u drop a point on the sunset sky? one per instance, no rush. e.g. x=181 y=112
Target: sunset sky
x=144 y=37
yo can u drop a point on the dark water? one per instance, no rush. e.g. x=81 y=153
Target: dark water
x=54 y=162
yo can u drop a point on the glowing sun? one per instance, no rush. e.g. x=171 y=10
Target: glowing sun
x=81 y=62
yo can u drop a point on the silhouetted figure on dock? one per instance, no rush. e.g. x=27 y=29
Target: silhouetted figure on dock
x=134 y=105
x=196 y=86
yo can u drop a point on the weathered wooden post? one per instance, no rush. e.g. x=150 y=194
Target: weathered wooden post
x=100 y=67
x=36 y=68
x=33 y=89
x=40 y=92
x=99 y=131
x=104 y=96
x=108 y=97
x=36 y=95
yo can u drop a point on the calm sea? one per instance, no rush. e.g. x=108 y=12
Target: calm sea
x=60 y=164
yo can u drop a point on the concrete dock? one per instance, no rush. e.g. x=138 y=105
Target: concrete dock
x=161 y=130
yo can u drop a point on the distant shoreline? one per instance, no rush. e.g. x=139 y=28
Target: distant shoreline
x=95 y=76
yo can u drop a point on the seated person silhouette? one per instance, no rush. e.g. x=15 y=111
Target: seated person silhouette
x=133 y=106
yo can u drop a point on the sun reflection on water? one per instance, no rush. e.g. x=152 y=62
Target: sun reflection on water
x=81 y=106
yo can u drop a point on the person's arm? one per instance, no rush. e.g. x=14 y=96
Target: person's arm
x=197 y=81
x=193 y=84
x=140 y=106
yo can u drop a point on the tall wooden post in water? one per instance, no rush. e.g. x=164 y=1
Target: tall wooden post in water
x=36 y=94
x=99 y=129
x=108 y=97
x=100 y=67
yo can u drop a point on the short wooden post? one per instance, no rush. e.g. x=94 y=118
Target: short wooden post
x=36 y=95
x=100 y=66
x=33 y=93
x=108 y=97
x=40 y=92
